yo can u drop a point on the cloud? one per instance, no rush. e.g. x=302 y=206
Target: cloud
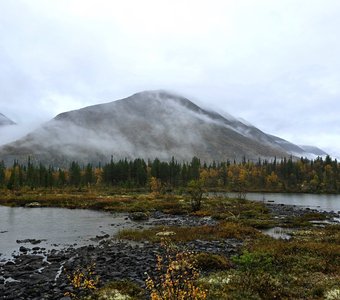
x=273 y=63
x=13 y=132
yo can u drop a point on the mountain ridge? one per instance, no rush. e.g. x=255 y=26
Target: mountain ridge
x=146 y=125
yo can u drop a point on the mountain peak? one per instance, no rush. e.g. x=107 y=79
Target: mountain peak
x=147 y=104
x=163 y=96
x=166 y=99
x=158 y=94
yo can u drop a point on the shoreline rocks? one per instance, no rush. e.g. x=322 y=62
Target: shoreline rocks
x=31 y=241
x=33 y=204
x=39 y=274
x=37 y=277
x=139 y=216
x=284 y=210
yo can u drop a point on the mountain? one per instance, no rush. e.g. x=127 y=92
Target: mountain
x=314 y=150
x=149 y=124
x=310 y=152
x=290 y=147
x=5 y=121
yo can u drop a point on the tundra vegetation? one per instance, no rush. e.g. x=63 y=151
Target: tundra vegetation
x=307 y=266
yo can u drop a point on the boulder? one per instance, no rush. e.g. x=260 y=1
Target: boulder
x=33 y=204
x=139 y=216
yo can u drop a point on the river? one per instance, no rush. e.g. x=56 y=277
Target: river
x=314 y=201
x=56 y=227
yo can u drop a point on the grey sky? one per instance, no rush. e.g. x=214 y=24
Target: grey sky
x=274 y=63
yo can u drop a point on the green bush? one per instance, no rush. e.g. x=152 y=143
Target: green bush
x=211 y=262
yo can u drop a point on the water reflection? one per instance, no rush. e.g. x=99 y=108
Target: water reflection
x=313 y=201
x=279 y=233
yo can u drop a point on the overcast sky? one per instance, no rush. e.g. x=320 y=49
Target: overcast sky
x=274 y=63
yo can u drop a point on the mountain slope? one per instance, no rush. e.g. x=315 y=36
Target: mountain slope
x=5 y=121
x=310 y=152
x=148 y=124
x=289 y=147
x=313 y=150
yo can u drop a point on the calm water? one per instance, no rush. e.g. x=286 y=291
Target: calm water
x=319 y=202
x=279 y=233
x=58 y=226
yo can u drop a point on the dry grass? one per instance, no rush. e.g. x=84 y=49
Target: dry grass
x=221 y=231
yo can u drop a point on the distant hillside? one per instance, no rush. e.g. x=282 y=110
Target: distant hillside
x=148 y=124
x=313 y=150
x=5 y=121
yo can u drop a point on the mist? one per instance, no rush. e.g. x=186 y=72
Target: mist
x=148 y=125
x=11 y=133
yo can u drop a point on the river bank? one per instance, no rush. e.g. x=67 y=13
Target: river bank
x=37 y=273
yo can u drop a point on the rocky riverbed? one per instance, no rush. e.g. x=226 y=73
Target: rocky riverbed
x=32 y=276
x=39 y=274
x=283 y=210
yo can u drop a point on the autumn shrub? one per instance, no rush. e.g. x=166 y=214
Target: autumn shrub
x=83 y=281
x=175 y=276
x=195 y=189
x=155 y=185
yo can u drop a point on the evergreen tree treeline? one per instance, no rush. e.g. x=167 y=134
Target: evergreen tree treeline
x=286 y=175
